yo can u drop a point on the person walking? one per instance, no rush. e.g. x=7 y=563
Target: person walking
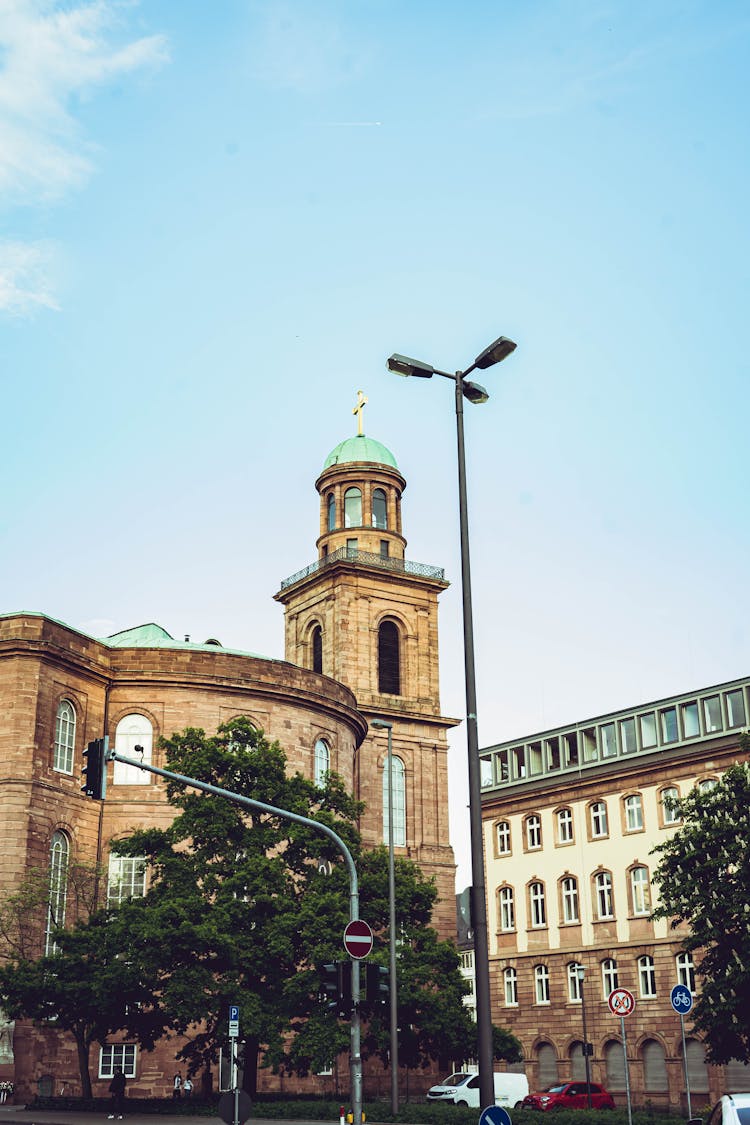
x=177 y=1087
x=117 y=1090
x=187 y=1086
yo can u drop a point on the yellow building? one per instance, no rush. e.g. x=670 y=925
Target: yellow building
x=570 y=818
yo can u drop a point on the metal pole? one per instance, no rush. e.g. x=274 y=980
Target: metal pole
x=685 y=1065
x=285 y=814
x=393 y=987
x=235 y=1083
x=478 y=900
x=627 y=1071
x=581 y=976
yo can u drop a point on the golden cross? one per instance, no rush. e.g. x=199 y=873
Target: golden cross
x=361 y=400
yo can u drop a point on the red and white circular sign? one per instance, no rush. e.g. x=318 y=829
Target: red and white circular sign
x=621 y=1002
x=358 y=939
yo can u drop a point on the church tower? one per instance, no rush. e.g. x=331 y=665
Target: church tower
x=366 y=616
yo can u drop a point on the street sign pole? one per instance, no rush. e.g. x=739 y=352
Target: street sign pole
x=621 y=1003
x=681 y=999
x=627 y=1070
x=685 y=1065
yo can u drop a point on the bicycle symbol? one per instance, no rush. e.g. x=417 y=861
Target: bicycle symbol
x=682 y=1000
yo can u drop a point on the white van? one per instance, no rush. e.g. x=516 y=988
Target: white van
x=462 y=1088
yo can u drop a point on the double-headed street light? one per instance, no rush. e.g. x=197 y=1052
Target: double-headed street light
x=404 y=365
x=393 y=990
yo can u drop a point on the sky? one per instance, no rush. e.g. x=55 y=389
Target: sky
x=218 y=220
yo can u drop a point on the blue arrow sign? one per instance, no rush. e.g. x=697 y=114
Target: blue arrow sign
x=494 y=1115
x=681 y=998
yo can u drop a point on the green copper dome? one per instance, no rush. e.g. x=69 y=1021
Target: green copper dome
x=360 y=448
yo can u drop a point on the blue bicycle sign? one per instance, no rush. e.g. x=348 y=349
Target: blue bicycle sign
x=681 y=998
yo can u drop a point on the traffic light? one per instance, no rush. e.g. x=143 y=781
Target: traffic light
x=345 y=988
x=378 y=986
x=95 y=769
x=329 y=986
x=336 y=987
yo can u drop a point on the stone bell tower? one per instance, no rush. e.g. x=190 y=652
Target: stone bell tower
x=367 y=616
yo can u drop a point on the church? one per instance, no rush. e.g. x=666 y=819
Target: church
x=361 y=643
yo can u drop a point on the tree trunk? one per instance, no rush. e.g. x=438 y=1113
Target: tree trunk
x=82 y=1047
x=250 y=1068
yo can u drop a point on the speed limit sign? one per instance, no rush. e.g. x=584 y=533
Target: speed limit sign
x=621 y=1002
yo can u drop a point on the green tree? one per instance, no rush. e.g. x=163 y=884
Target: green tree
x=245 y=907
x=703 y=877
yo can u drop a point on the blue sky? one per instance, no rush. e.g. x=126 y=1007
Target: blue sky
x=218 y=220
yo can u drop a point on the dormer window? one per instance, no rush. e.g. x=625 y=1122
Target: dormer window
x=353 y=507
x=379 y=509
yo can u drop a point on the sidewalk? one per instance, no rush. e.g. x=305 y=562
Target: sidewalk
x=17 y=1115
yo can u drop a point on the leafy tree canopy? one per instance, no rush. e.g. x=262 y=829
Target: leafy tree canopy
x=704 y=880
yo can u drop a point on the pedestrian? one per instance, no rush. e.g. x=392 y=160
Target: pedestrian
x=187 y=1086
x=177 y=1087
x=117 y=1090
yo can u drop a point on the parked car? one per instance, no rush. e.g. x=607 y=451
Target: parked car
x=462 y=1088
x=732 y=1109
x=570 y=1095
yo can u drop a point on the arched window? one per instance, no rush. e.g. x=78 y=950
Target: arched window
x=541 y=984
x=65 y=737
x=59 y=859
x=533 y=826
x=379 y=509
x=547 y=1062
x=634 y=813
x=603 y=895
x=389 y=659
x=537 y=906
x=399 y=802
x=503 y=837
x=133 y=731
x=685 y=970
x=646 y=977
x=668 y=797
x=599 y=826
x=510 y=986
x=654 y=1067
x=322 y=762
x=574 y=981
x=331 y=508
x=316 y=648
x=564 y=826
x=609 y=976
x=569 y=894
x=640 y=892
x=615 y=1064
x=353 y=507
x=507 y=909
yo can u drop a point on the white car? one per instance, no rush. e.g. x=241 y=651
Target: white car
x=732 y=1109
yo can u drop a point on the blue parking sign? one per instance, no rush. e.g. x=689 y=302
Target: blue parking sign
x=681 y=998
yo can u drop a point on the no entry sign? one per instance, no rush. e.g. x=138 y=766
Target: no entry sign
x=358 y=939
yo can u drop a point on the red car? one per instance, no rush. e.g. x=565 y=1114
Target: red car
x=570 y=1095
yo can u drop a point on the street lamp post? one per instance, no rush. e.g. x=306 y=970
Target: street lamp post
x=381 y=724
x=581 y=974
x=403 y=365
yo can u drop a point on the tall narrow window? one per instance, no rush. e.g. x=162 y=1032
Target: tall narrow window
x=603 y=894
x=389 y=659
x=599 y=827
x=634 y=813
x=669 y=812
x=574 y=981
x=541 y=984
x=134 y=738
x=565 y=826
x=65 y=737
x=322 y=762
x=569 y=889
x=331 y=503
x=59 y=858
x=503 y=838
x=353 y=507
x=507 y=909
x=510 y=985
x=609 y=976
x=685 y=970
x=316 y=644
x=399 y=802
x=533 y=831
x=537 y=905
x=639 y=890
x=379 y=509
x=126 y=878
x=646 y=977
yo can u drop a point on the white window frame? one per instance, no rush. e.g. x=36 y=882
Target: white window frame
x=599 y=821
x=507 y=909
x=533 y=828
x=133 y=730
x=510 y=987
x=65 y=737
x=634 y=813
x=118 y=1055
x=610 y=977
x=605 y=907
x=647 y=977
x=565 y=826
x=574 y=982
x=669 y=815
x=685 y=971
x=541 y=984
x=57 y=895
x=126 y=878
x=640 y=890
x=322 y=761
x=569 y=894
x=502 y=836
x=399 y=802
x=537 y=905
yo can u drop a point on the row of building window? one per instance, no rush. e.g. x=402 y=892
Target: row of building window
x=353 y=509
x=610 y=979
x=597 y=821
x=639 y=896
x=618 y=737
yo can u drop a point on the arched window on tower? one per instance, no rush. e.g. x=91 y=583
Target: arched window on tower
x=134 y=738
x=399 y=803
x=322 y=762
x=353 y=507
x=331 y=511
x=379 y=509
x=389 y=659
x=316 y=649
x=59 y=858
x=65 y=737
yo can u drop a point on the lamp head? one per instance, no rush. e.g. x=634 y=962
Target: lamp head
x=497 y=351
x=381 y=724
x=403 y=365
x=474 y=392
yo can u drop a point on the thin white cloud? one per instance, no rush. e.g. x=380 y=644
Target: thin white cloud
x=50 y=55
x=26 y=271
x=305 y=47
